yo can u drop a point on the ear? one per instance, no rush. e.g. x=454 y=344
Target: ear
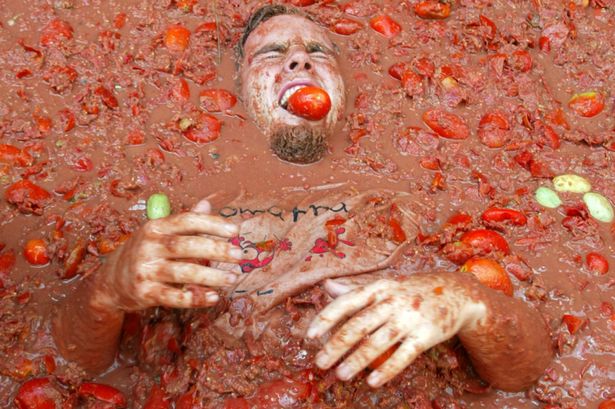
x=202 y=206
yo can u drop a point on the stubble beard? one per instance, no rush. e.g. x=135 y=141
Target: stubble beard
x=300 y=144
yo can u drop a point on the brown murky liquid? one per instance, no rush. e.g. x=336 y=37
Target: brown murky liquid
x=131 y=61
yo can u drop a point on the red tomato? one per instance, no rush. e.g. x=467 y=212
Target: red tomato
x=424 y=66
x=217 y=100
x=597 y=263
x=236 y=403
x=38 y=393
x=157 y=399
x=188 y=401
x=83 y=164
x=72 y=262
x=135 y=137
x=493 y=129
x=106 y=97
x=25 y=189
x=302 y=3
x=496 y=214
x=55 y=31
x=14 y=156
x=446 y=124
x=35 y=251
x=521 y=60
x=398 y=69
x=490 y=273
x=67 y=119
x=345 y=26
x=546 y=135
x=7 y=262
x=186 y=5
x=412 y=83
x=573 y=323
x=489 y=25
x=607 y=404
x=399 y=236
x=485 y=240
x=432 y=9
x=461 y=219
x=587 y=104
x=206 y=130
x=311 y=103
x=177 y=37
x=102 y=392
x=181 y=91
x=385 y=25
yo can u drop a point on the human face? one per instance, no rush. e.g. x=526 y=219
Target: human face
x=281 y=53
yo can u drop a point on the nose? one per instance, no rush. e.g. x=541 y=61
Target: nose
x=298 y=60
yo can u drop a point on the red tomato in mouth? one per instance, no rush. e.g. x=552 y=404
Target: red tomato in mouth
x=432 y=10
x=385 y=25
x=311 y=103
x=446 y=124
x=177 y=37
x=490 y=273
x=587 y=104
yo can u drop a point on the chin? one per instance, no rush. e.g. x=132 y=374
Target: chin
x=301 y=144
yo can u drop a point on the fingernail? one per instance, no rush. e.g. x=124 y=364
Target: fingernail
x=321 y=360
x=374 y=379
x=344 y=372
x=236 y=253
x=212 y=297
x=231 y=279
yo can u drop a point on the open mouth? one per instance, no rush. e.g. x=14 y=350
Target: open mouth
x=290 y=88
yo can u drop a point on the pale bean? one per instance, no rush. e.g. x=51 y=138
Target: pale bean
x=547 y=197
x=599 y=207
x=571 y=183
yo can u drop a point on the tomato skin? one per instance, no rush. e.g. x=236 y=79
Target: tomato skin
x=311 y=103
x=490 y=273
x=597 y=263
x=177 y=37
x=12 y=155
x=412 y=83
x=25 y=188
x=67 y=118
x=103 y=393
x=385 y=25
x=106 y=97
x=55 y=31
x=37 y=393
x=497 y=214
x=302 y=3
x=217 y=100
x=346 y=26
x=573 y=323
x=7 y=262
x=459 y=219
x=432 y=10
x=521 y=60
x=157 y=399
x=546 y=135
x=446 y=124
x=587 y=104
x=485 y=240
x=494 y=129
x=206 y=130
x=398 y=69
x=71 y=264
x=236 y=403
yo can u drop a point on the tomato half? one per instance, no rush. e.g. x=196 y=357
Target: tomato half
x=490 y=273
x=385 y=25
x=446 y=124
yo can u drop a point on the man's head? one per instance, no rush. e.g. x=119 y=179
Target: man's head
x=282 y=50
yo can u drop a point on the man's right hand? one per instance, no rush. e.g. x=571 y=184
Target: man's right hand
x=153 y=267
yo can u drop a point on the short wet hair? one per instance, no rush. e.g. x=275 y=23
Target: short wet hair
x=260 y=16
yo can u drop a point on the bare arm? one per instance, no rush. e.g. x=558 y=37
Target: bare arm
x=150 y=269
x=506 y=339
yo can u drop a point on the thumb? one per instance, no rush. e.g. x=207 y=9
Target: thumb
x=335 y=288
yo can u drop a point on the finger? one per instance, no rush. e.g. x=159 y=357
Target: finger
x=335 y=288
x=198 y=247
x=190 y=273
x=164 y=295
x=362 y=324
x=194 y=223
x=345 y=306
x=377 y=344
x=401 y=358
x=203 y=206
